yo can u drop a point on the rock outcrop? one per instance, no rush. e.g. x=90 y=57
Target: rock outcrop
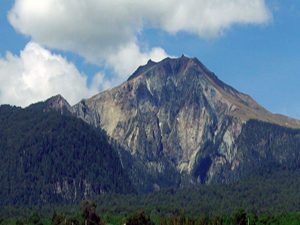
x=58 y=104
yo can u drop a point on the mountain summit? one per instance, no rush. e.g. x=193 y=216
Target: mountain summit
x=176 y=115
x=214 y=90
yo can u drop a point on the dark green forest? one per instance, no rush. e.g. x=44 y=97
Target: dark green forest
x=269 y=199
x=275 y=193
x=46 y=157
x=88 y=214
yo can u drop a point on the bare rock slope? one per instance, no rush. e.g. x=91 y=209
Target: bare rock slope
x=178 y=124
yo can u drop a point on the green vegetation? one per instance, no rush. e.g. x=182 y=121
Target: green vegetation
x=275 y=193
x=267 y=147
x=47 y=157
x=88 y=216
x=270 y=199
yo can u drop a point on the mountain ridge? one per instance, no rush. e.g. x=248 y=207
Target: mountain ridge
x=175 y=124
x=261 y=113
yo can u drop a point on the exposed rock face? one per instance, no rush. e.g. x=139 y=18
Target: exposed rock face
x=177 y=117
x=81 y=110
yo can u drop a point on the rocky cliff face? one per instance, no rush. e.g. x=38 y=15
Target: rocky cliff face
x=176 y=117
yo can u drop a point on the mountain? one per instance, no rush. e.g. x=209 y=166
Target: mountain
x=49 y=157
x=180 y=125
x=172 y=124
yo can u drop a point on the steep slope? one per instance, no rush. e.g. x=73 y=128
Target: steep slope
x=180 y=121
x=46 y=157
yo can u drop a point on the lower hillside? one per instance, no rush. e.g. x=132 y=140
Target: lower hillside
x=271 y=199
x=272 y=193
x=46 y=158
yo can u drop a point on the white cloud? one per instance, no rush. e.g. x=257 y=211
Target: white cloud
x=96 y=29
x=36 y=74
x=210 y=18
x=105 y=33
x=91 y=28
x=101 y=82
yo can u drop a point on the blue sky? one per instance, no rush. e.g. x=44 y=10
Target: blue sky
x=257 y=55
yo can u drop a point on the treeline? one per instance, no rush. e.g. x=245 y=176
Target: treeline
x=89 y=216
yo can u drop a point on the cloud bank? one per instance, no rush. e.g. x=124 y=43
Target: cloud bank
x=36 y=74
x=96 y=29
